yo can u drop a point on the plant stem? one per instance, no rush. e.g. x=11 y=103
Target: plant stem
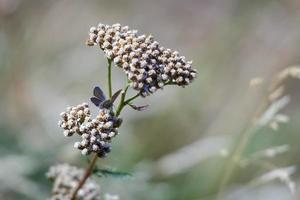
x=109 y=78
x=124 y=102
x=233 y=161
x=88 y=172
x=238 y=151
x=92 y=164
x=131 y=99
x=121 y=104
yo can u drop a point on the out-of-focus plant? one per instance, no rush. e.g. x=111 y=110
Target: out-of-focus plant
x=266 y=114
x=148 y=67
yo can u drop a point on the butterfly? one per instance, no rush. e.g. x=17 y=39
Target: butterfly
x=100 y=100
x=98 y=97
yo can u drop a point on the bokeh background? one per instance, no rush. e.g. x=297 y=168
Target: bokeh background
x=177 y=148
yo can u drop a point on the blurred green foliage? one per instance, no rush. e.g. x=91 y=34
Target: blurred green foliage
x=45 y=66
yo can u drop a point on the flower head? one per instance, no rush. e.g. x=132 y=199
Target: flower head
x=96 y=134
x=66 y=178
x=147 y=64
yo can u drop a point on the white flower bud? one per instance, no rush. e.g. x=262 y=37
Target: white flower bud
x=70 y=123
x=164 y=77
x=179 y=70
x=77 y=145
x=151 y=72
x=117 y=60
x=152 y=89
x=59 y=123
x=173 y=72
x=149 y=80
x=160 y=84
x=104 y=135
x=95 y=147
x=94 y=131
x=93 y=139
x=67 y=133
x=179 y=79
x=108 y=125
x=80 y=112
x=101 y=33
x=140 y=85
x=93 y=29
x=106 y=44
x=193 y=75
x=82 y=128
x=84 y=142
x=85 y=136
x=140 y=77
x=64 y=125
x=84 y=151
x=111 y=134
x=73 y=112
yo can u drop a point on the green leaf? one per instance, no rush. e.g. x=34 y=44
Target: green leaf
x=115 y=96
x=106 y=172
x=138 y=108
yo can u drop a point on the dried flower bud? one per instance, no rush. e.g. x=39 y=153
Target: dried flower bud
x=73 y=118
x=133 y=53
x=96 y=134
x=66 y=179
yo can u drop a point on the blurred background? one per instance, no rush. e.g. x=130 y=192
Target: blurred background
x=178 y=148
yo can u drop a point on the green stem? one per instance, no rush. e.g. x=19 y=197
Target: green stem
x=124 y=102
x=109 y=78
x=170 y=83
x=121 y=104
x=92 y=164
x=234 y=161
x=131 y=99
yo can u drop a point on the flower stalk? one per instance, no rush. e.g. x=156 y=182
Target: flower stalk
x=92 y=164
x=124 y=102
x=87 y=174
x=109 y=78
x=238 y=151
x=121 y=104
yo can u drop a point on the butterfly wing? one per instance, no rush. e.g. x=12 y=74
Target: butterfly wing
x=99 y=93
x=95 y=101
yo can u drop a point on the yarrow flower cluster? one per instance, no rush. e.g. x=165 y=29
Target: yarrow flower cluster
x=96 y=133
x=147 y=65
x=66 y=178
x=74 y=118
